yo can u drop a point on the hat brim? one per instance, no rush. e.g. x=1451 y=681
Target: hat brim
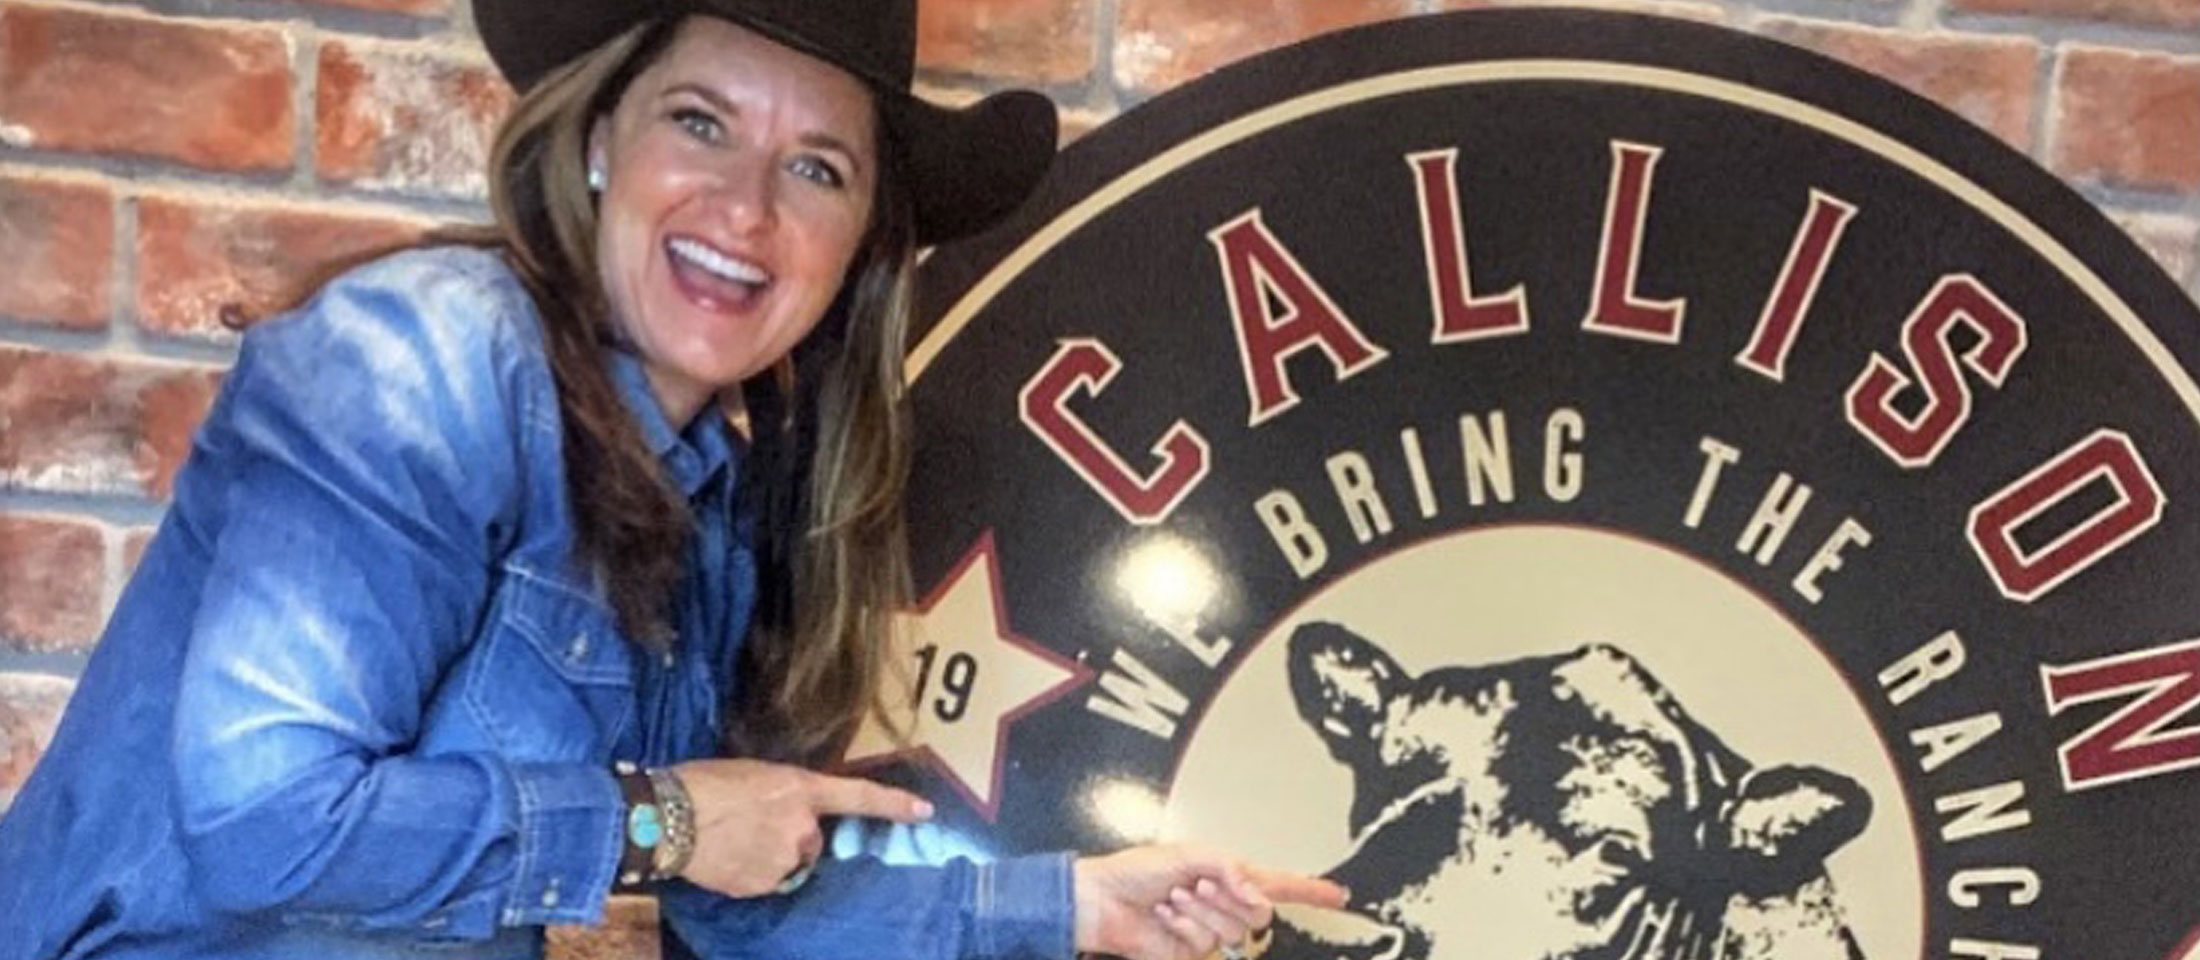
x=965 y=167
x=969 y=167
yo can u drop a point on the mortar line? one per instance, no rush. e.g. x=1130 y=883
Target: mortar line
x=305 y=69
x=123 y=340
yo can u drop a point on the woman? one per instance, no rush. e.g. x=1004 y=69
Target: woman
x=469 y=570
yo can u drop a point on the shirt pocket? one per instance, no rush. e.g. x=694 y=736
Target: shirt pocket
x=553 y=680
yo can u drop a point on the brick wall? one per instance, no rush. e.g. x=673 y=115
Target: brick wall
x=170 y=168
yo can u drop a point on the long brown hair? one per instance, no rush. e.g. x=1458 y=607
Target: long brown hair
x=829 y=451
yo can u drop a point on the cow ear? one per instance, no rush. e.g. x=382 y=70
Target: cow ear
x=1786 y=821
x=1343 y=685
x=1619 y=687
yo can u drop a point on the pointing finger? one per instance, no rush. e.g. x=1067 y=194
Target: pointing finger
x=1226 y=896
x=1236 y=891
x=1281 y=887
x=850 y=797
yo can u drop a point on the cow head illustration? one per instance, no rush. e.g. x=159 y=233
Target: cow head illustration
x=1561 y=808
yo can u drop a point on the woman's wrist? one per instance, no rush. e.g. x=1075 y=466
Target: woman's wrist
x=658 y=832
x=1085 y=908
x=678 y=813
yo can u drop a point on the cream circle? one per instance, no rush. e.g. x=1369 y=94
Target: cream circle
x=1256 y=780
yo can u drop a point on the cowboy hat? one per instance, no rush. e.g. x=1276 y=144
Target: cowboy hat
x=966 y=167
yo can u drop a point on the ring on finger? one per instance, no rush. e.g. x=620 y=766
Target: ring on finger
x=1254 y=946
x=796 y=879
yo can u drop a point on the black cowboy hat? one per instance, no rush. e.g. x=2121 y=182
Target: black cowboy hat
x=966 y=167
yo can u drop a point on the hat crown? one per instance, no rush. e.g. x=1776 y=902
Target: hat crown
x=874 y=39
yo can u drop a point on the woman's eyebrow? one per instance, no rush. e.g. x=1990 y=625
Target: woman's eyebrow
x=716 y=99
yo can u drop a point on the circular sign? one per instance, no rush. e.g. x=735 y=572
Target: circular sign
x=1596 y=486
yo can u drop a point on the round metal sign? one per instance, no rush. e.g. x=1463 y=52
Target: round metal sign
x=1596 y=486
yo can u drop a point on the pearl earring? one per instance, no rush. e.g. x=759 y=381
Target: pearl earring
x=595 y=179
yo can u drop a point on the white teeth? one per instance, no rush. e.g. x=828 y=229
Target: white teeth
x=738 y=271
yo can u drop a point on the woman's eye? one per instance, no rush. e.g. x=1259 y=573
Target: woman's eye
x=702 y=126
x=819 y=171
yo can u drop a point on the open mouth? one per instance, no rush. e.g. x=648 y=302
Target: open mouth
x=1618 y=861
x=714 y=277
x=1400 y=849
x=1614 y=914
x=1404 y=846
x=1331 y=935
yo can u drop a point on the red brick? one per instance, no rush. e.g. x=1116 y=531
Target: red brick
x=406 y=120
x=30 y=708
x=58 y=241
x=171 y=408
x=53 y=583
x=421 y=8
x=79 y=424
x=1700 y=12
x=1039 y=41
x=205 y=268
x=1989 y=81
x=210 y=96
x=2128 y=118
x=2169 y=13
x=1162 y=43
x=133 y=549
x=629 y=932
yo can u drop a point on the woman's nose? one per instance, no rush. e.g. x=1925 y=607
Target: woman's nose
x=747 y=193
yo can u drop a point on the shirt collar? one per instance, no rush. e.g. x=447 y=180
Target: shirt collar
x=692 y=457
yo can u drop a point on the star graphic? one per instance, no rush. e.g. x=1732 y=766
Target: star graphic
x=969 y=676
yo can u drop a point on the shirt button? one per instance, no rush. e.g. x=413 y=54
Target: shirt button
x=578 y=648
x=550 y=897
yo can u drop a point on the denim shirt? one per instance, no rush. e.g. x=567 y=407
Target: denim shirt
x=356 y=702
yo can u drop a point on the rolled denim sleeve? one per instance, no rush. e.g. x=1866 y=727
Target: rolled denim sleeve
x=368 y=450
x=1019 y=908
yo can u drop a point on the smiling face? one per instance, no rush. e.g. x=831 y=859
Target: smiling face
x=738 y=184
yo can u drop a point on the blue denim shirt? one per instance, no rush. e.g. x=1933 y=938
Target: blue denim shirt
x=356 y=703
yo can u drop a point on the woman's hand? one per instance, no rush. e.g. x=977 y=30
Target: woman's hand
x=757 y=822
x=1182 y=902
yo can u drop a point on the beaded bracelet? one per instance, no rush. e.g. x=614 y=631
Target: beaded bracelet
x=678 y=815
x=660 y=826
